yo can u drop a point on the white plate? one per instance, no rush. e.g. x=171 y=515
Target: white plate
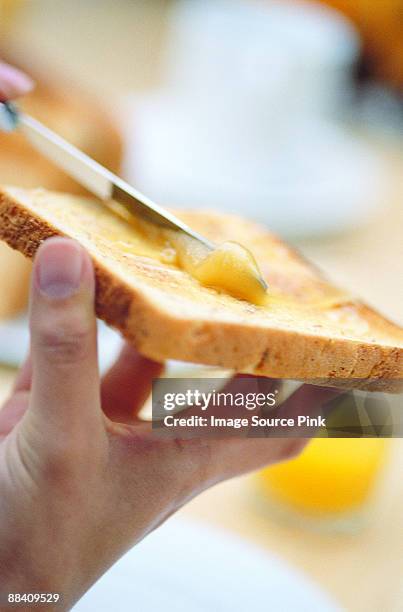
x=189 y=567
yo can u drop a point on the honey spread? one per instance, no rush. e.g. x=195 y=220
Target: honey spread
x=229 y=267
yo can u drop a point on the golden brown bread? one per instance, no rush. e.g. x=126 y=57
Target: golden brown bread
x=15 y=271
x=308 y=330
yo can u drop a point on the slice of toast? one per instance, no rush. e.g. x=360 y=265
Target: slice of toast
x=308 y=330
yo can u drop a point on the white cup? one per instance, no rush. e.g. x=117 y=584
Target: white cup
x=246 y=116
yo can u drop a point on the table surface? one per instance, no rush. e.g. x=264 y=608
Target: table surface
x=362 y=571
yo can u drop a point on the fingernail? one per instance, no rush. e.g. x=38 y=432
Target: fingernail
x=59 y=268
x=13 y=82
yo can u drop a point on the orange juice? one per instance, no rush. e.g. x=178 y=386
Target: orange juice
x=331 y=476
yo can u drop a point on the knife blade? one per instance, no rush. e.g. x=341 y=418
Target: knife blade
x=89 y=173
x=98 y=180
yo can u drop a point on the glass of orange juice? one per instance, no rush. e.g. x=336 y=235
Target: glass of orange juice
x=329 y=485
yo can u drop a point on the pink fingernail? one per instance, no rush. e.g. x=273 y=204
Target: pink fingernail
x=59 y=268
x=13 y=82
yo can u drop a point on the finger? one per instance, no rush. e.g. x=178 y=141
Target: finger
x=12 y=412
x=13 y=82
x=225 y=403
x=238 y=455
x=127 y=385
x=224 y=454
x=308 y=401
x=65 y=379
x=245 y=385
x=24 y=376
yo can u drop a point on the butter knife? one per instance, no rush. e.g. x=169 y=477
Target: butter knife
x=91 y=175
x=98 y=180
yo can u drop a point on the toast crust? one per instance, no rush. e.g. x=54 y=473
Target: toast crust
x=312 y=331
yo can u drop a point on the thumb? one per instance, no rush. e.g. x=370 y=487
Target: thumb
x=65 y=381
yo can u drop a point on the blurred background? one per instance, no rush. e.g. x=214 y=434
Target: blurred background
x=288 y=112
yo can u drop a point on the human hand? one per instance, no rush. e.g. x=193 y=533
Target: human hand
x=13 y=82
x=82 y=478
